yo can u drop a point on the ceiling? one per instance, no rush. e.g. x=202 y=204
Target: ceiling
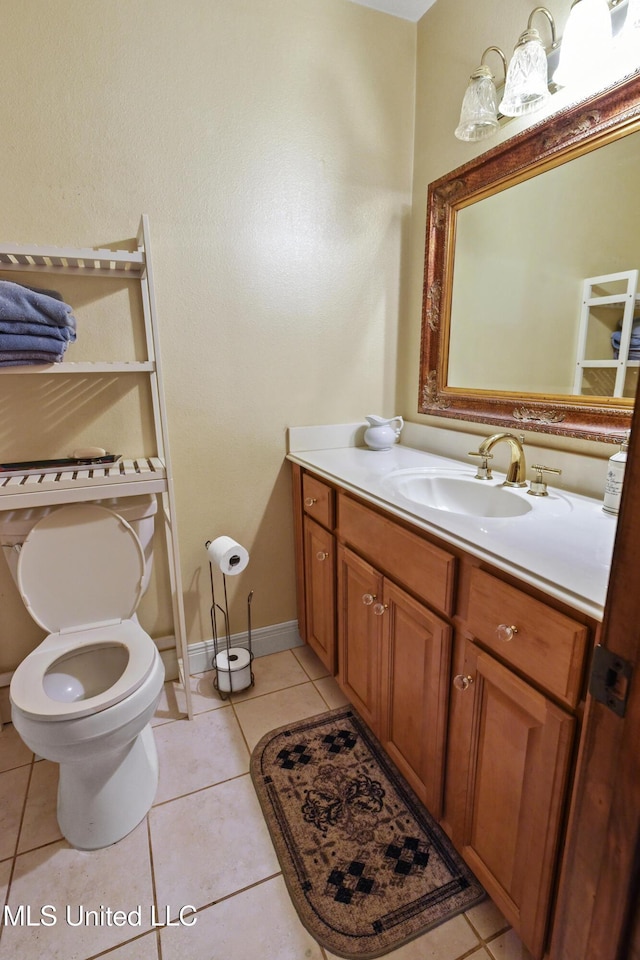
x=406 y=9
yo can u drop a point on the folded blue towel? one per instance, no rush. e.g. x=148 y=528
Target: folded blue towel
x=634 y=341
x=22 y=303
x=17 y=358
x=37 y=330
x=48 y=293
x=22 y=342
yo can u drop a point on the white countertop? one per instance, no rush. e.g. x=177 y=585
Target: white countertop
x=562 y=546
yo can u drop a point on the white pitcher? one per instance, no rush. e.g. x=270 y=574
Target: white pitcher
x=381 y=434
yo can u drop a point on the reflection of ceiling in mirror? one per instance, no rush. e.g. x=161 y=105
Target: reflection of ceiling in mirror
x=521 y=258
x=405 y=9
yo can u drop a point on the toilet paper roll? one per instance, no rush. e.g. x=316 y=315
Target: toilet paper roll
x=233 y=667
x=230 y=556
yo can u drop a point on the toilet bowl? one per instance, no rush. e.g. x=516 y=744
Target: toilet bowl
x=85 y=696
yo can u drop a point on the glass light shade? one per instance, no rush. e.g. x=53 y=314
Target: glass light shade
x=526 y=88
x=479 y=114
x=586 y=44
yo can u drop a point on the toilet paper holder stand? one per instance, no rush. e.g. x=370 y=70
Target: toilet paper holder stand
x=233 y=666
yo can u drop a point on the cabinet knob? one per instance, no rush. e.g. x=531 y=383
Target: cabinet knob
x=368 y=599
x=379 y=608
x=462 y=683
x=505 y=632
x=321 y=555
x=309 y=501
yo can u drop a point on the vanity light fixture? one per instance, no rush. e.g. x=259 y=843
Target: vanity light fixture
x=586 y=44
x=479 y=113
x=527 y=83
x=601 y=44
x=627 y=43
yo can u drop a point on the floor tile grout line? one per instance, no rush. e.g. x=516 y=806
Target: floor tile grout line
x=40 y=846
x=469 y=953
x=209 y=786
x=154 y=889
x=232 y=703
x=118 y=946
x=242 y=734
x=267 y=693
x=18 y=833
x=304 y=646
x=230 y=896
x=18 y=766
x=491 y=937
x=321 y=696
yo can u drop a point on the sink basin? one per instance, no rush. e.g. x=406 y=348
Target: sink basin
x=457 y=494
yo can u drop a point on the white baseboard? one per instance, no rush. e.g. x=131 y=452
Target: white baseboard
x=264 y=640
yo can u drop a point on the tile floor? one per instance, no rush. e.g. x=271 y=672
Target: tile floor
x=203 y=847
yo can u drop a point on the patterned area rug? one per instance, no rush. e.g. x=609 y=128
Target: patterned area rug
x=367 y=867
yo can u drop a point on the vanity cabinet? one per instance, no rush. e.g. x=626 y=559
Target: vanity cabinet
x=509 y=761
x=472 y=681
x=394 y=656
x=394 y=648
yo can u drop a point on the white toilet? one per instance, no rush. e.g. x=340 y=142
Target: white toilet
x=85 y=696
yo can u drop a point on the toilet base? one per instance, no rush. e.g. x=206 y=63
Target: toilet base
x=101 y=801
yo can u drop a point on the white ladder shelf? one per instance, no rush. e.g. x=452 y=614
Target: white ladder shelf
x=128 y=477
x=625 y=301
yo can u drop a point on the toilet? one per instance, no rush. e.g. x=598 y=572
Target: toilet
x=84 y=698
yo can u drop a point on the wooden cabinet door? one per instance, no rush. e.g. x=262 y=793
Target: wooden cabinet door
x=359 y=634
x=416 y=652
x=515 y=759
x=320 y=592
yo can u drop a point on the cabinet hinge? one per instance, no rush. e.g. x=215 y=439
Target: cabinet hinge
x=610 y=679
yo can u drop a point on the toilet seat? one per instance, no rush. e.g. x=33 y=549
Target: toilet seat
x=80 y=574
x=27 y=689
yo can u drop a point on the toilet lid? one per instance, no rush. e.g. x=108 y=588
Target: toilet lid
x=81 y=565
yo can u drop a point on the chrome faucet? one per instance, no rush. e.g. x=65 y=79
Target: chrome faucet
x=517 y=472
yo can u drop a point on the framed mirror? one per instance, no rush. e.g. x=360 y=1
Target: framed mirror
x=532 y=271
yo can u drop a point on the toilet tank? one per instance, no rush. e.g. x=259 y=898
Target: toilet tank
x=139 y=512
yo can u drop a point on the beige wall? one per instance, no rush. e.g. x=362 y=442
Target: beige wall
x=270 y=142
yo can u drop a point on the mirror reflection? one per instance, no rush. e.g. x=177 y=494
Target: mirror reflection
x=546 y=280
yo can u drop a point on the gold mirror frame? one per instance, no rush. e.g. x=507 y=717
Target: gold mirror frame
x=571 y=133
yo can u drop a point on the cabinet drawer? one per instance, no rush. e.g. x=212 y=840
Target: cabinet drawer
x=318 y=500
x=426 y=570
x=545 y=645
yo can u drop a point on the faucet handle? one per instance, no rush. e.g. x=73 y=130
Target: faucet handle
x=484 y=470
x=538 y=486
